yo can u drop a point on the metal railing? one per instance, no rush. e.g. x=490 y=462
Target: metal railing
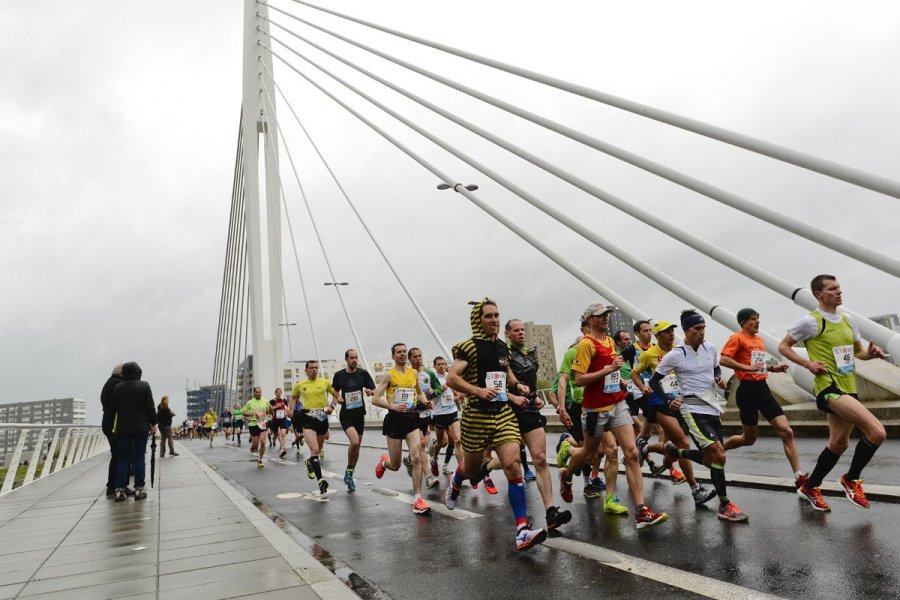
x=55 y=447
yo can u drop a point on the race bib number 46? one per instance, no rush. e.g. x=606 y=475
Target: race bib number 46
x=405 y=397
x=846 y=361
x=496 y=380
x=670 y=386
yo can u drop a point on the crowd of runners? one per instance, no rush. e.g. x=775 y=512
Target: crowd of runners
x=614 y=391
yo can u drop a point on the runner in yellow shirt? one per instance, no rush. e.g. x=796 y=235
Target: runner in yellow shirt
x=317 y=397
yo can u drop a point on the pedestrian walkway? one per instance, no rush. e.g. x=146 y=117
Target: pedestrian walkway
x=193 y=537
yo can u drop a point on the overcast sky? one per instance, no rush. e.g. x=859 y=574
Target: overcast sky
x=118 y=124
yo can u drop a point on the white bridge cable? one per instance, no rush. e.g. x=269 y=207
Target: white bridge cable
x=823 y=166
x=812 y=233
x=441 y=344
x=799 y=295
x=312 y=221
x=577 y=272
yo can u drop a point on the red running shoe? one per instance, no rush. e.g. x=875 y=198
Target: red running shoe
x=565 y=486
x=814 y=496
x=489 y=486
x=854 y=491
x=379 y=468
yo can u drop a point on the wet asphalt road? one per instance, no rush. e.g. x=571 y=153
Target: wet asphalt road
x=786 y=550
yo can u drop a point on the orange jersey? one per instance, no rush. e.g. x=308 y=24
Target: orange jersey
x=741 y=347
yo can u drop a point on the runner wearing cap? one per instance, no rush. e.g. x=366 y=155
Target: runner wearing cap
x=695 y=364
x=745 y=353
x=833 y=343
x=656 y=411
x=596 y=367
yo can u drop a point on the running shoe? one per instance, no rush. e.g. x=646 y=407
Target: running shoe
x=648 y=518
x=129 y=491
x=657 y=470
x=420 y=508
x=565 y=486
x=730 y=512
x=671 y=451
x=259 y=464
x=676 y=476
x=489 y=486
x=447 y=470
x=800 y=480
x=451 y=495
x=408 y=463
x=598 y=483
x=379 y=468
x=564 y=449
x=853 y=489
x=529 y=475
x=526 y=538
x=140 y=494
x=431 y=481
x=323 y=487
x=348 y=481
x=282 y=454
x=309 y=470
x=814 y=497
x=434 y=467
x=592 y=491
x=612 y=506
x=643 y=449
x=702 y=495
x=120 y=495
x=556 y=517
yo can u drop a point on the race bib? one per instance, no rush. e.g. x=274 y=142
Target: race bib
x=496 y=380
x=353 y=399
x=261 y=423
x=405 y=397
x=846 y=361
x=612 y=383
x=670 y=386
x=279 y=414
x=758 y=356
x=228 y=421
x=319 y=414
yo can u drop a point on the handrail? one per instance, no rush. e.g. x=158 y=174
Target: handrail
x=80 y=442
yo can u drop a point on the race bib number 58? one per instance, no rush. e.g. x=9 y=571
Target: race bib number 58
x=496 y=380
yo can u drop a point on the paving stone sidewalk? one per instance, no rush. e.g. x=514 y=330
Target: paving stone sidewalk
x=193 y=537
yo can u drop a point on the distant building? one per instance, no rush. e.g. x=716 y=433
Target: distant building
x=618 y=320
x=217 y=396
x=541 y=338
x=59 y=411
x=892 y=322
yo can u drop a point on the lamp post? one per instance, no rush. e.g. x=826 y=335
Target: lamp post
x=446 y=186
x=337 y=288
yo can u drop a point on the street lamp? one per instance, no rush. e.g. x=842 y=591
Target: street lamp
x=336 y=283
x=446 y=186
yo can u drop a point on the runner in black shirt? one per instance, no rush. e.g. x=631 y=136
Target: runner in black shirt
x=352 y=385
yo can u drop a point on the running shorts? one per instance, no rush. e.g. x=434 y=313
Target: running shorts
x=705 y=430
x=314 y=424
x=354 y=417
x=482 y=430
x=595 y=422
x=444 y=421
x=829 y=394
x=529 y=420
x=397 y=426
x=754 y=397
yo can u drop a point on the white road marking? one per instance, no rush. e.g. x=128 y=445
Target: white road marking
x=435 y=506
x=685 y=580
x=314 y=496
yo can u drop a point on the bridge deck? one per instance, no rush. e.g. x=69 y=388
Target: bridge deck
x=194 y=537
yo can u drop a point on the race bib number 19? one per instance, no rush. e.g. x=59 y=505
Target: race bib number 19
x=496 y=380
x=405 y=397
x=843 y=356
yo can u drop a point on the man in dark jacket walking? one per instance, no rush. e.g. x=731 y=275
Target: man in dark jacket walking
x=107 y=427
x=135 y=418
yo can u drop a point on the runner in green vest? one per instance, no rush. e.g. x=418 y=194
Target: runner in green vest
x=833 y=343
